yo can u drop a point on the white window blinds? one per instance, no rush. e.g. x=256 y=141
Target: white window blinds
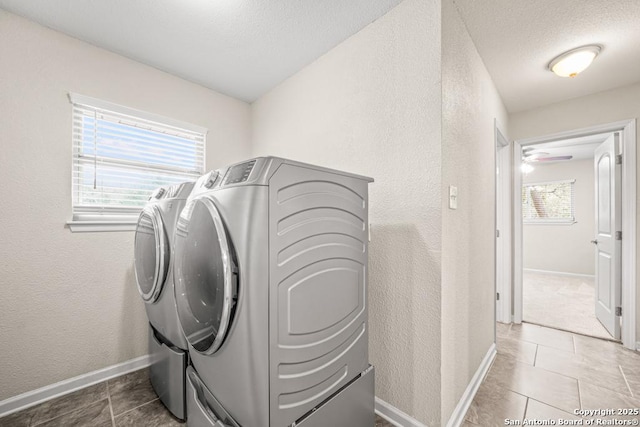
x=548 y=202
x=120 y=155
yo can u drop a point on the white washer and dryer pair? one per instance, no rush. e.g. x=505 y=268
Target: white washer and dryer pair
x=154 y=277
x=271 y=288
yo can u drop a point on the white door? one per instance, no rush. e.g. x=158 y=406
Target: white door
x=607 y=241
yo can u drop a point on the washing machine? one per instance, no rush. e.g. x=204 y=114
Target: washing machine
x=271 y=290
x=154 y=278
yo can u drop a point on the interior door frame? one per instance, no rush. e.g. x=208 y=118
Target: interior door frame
x=503 y=248
x=627 y=130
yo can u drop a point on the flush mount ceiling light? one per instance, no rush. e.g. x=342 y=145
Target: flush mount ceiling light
x=572 y=62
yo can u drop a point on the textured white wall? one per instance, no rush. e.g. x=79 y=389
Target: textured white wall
x=69 y=303
x=470 y=103
x=372 y=106
x=564 y=248
x=604 y=107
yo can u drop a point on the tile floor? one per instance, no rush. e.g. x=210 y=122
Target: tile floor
x=128 y=400
x=563 y=302
x=545 y=374
x=539 y=373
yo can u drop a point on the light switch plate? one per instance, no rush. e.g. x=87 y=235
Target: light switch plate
x=453 y=197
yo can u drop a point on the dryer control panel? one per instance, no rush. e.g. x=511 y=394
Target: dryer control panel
x=158 y=193
x=239 y=173
x=211 y=179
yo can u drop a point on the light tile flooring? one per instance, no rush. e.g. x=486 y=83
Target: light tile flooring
x=545 y=374
x=128 y=400
x=563 y=302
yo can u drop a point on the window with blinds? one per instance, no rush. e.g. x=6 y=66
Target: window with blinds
x=120 y=155
x=548 y=202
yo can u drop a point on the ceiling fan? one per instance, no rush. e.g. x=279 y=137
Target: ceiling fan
x=530 y=155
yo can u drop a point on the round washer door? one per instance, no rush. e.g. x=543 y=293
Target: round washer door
x=151 y=254
x=204 y=276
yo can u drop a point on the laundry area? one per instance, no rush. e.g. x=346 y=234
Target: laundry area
x=284 y=213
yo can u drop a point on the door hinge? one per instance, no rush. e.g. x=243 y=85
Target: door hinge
x=497 y=233
x=618 y=311
x=619 y=159
x=498 y=296
x=618 y=235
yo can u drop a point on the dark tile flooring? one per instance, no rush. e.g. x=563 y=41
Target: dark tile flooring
x=381 y=422
x=128 y=400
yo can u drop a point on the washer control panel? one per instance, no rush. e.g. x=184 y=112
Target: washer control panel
x=239 y=173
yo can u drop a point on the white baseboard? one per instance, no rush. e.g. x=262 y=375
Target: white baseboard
x=457 y=417
x=400 y=419
x=34 y=397
x=558 y=273
x=395 y=416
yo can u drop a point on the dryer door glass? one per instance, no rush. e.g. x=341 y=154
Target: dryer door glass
x=151 y=254
x=205 y=278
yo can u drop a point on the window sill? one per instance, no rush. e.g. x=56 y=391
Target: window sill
x=101 y=226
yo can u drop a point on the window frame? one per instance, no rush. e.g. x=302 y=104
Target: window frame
x=114 y=219
x=552 y=221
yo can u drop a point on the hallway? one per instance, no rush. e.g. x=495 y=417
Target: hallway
x=545 y=374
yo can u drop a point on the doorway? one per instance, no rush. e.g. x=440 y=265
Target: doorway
x=627 y=135
x=558 y=206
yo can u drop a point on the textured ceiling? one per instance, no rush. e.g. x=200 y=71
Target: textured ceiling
x=518 y=38
x=239 y=47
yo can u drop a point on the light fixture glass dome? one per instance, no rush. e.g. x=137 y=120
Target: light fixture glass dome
x=573 y=62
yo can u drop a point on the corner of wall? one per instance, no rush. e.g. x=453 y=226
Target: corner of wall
x=468 y=248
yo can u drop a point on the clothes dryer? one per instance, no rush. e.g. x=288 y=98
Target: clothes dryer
x=154 y=278
x=271 y=289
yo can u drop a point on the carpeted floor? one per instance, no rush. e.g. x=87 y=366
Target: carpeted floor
x=564 y=302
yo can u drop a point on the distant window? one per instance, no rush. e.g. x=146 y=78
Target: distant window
x=548 y=202
x=120 y=155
